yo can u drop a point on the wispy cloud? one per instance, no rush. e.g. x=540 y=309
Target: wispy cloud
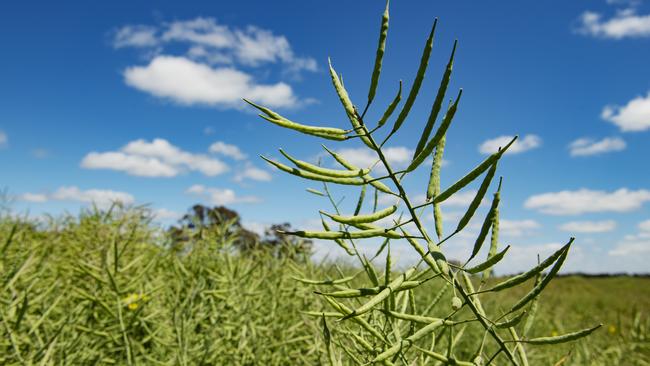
x=157 y=158
x=206 y=71
x=220 y=196
x=634 y=116
x=588 y=201
x=626 y=23
x=588 y=147
x=522 y=144
x=100 y=197
x=518 y=228
x=229 y=150
x=253 y=173
x=589 y=226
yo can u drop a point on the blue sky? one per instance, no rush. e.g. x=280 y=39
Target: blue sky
x=140 y=102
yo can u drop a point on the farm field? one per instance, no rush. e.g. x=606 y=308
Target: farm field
x=111 y=289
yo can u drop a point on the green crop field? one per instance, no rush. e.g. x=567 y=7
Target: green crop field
x=110 y=288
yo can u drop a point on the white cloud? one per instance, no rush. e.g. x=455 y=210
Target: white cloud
x=517 y=227
x=589 y=226
x=526 y=143
x=254 y=173
x=644 y=226
x=219 y=43
x=220 y=196
x=135 y=36
x=631 y=248
x=634 y=116
x=587 y=201
x=4 y=139
x=625 y=23
x=187 y=82
x=588 y=147
x=157 y=158
x=229 y=150
x=100 y=197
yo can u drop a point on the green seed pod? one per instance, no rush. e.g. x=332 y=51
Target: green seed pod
x=360 y=219
x=487 y=223
x=316 y=192
x=516 y=280
x=542 y=284
x=441 y=131
x=488 y=263
x=435 y=108
x=415 y=88
x=477 y=198
x=332 y=235
x=347 y=105
x=314 y=176
x=359 y=320
x=469 y=177
x=324 y=171
x=424 y=331
x=412 y=318
x=561 y=338
x=381 y=296
x=391 y=107
x=456 y=303
x=377 y=184
x=512 y=322
x=271 y=116
x=325 y=282
x=381 y=47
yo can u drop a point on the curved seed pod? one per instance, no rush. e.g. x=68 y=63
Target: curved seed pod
x=487 y=223
x=542 y=284
x=325 y=282
x=434 y=179
x=415 y=88
x=516 y=280
x=272 y=116
x=435 y=108
x=377 y=184
x=441 y=131
x=411 y=317
x=512 y=322
x=340 y=242
x=469 y=177
x=473 y=299
x=381 y=296
x=437 y=254
x=387 y=233
x=477 y=198
x=561 y=338
x=324 y=171
x=314 y=176
x=381 y=47
x=391 y=107
x=494 y=238
x=306 y=129
x=333 y=361
x=488 y=263
x=427 y=257
x=331 y=235
x=360 y=219
x=409 y=340
x=347 y=105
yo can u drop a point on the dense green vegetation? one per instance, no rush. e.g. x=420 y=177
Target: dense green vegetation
x=112 y=288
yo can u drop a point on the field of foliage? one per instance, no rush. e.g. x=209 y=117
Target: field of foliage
x=109 y=287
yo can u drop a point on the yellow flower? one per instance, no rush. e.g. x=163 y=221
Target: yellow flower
x=133 y=306
x=554 y=333
x=611 y=329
